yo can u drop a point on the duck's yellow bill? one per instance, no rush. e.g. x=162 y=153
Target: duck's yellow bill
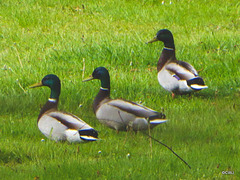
x=88 y=79
x=153 y=40
x=36 y=85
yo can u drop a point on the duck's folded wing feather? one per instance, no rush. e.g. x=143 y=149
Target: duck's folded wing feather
x=182 y=69
x=69 y=120
x=133 y=108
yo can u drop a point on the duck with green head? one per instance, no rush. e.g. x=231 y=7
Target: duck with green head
x=176 y=76
x=120 y=114
x=57 y=125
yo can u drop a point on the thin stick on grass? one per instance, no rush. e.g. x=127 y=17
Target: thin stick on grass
x=83 y=70
x=21 y=86
x=169 y=149
x=160 y=143
x=150 y=139
x=19 y=59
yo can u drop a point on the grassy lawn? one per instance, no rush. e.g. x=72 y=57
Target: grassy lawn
x=72 y=38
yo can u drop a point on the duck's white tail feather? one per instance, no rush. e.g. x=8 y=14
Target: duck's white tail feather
x=88 y=138
x=158 y=121
x=198 y=87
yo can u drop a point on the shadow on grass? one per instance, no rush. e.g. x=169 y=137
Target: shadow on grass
x=12 y=158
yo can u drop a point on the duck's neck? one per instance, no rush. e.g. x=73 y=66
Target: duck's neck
x=168 y=53
x=52 y=102
x=169 y=43
x=103 y=93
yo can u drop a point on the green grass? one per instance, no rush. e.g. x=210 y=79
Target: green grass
x=60 y=37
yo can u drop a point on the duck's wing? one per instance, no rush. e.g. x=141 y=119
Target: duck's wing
x=181 y=70
x=134 y=108
x=69 y=120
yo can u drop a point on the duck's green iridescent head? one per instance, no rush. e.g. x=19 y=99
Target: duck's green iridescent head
x=165 y=36
x=51 y=81
x=102 y=74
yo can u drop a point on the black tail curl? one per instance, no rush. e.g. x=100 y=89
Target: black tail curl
x=88 y=132
x=197 y=80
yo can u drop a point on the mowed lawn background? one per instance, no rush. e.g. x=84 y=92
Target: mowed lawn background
x=72 y=38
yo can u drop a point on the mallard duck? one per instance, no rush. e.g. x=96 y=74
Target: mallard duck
x=57 y=125
x=120 y=114
x=176 y=76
